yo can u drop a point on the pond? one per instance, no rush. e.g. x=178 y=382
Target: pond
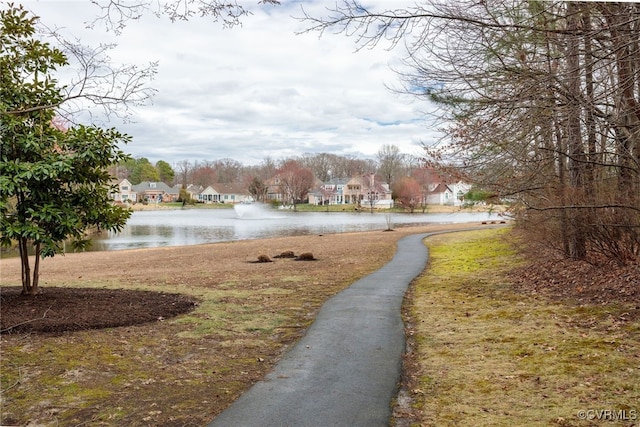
x=192 y=226
x=181 y=227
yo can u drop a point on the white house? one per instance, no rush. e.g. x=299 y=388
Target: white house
x=440 y=194
x=459 y=189
x=232 y=193
x=224 y=193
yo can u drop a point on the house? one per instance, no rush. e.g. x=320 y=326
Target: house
x=125 y=192
x=459 y=189
x=440 y=194
x=155 y=192
x=208 y=195
x=233 y=193
x=360 y=190
x=274 y=189
x=192 y=190
x=328 y=193
x=366 y=190
x=224 y=193
x=447 y=194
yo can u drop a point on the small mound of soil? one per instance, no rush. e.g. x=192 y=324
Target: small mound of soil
x=307 y=256
x=57 y=309
x=286 y=254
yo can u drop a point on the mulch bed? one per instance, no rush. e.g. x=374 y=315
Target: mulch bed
x=56 y=309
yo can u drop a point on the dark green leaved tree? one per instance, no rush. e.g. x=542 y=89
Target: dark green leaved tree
x=54 y=183
x=165 y=172
x=141 y=169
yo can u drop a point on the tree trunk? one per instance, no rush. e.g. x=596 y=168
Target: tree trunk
x=29 y=280
x=26 y=270
x=562 y=190
x=623 y=39
x=589 y=113
x=576 y=160
x=36 y=270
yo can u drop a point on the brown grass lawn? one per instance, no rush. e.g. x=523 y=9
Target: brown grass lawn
x=184 y=370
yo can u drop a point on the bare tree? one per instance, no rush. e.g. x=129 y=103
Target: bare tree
x=541 y=101
x=295 y=182
x=227 y=170
x=321 y=164
x=349 y=166
x=94 y=82
x=184 y=170
x=390 y=163
x=407 y=193
x=204 y=173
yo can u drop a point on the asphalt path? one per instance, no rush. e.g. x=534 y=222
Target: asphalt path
x=346 y=370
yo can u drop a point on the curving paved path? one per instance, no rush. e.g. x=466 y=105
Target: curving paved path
x=346 y=369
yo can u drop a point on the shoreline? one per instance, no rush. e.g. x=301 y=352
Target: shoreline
x=430 y=208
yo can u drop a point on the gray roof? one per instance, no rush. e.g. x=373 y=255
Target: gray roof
x=157 y=186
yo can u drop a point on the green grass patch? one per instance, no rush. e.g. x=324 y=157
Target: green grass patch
x=492 y=357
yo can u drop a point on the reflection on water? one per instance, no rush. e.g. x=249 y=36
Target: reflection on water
x=146 y=229
x=196 y=226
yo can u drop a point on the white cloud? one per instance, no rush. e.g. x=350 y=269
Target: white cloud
x=254 y=91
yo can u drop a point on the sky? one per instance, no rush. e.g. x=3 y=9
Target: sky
x=256 y=91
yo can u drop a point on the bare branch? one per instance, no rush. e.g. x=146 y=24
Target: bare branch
x=116 y=14
x=44 y=315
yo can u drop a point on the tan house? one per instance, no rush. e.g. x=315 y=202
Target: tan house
x=274 y=189
x=125 y=192
x=361 y=190
x=155 y=192
x=367 y=191
x=192 y=190
x=208 y=195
